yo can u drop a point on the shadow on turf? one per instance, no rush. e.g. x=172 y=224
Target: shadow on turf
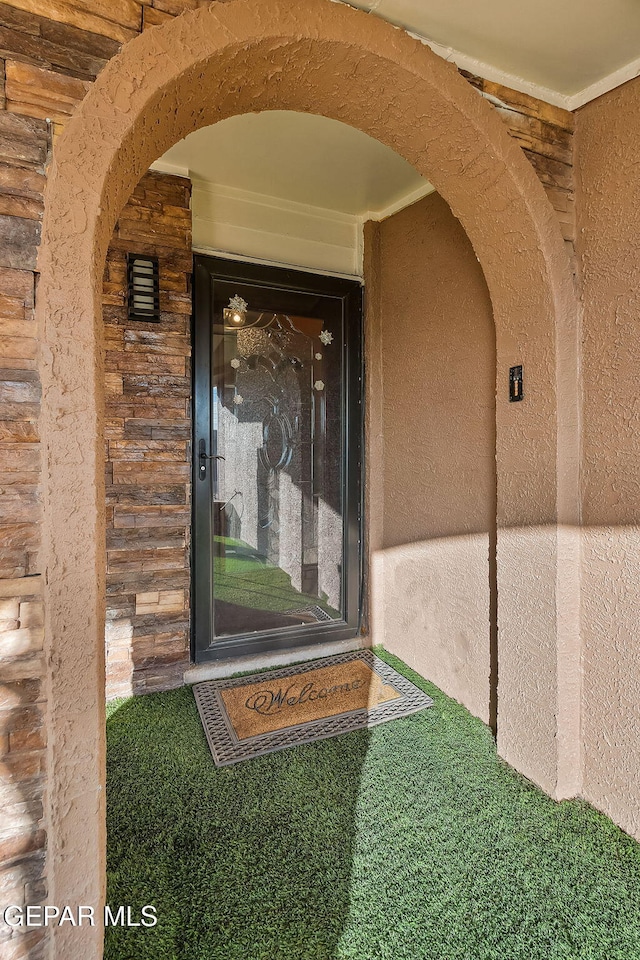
x=250 y=861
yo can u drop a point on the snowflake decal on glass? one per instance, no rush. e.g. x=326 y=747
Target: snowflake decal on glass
x=237 y=303
x=235 y=363
x=319 y=385
x=326 y=336
x=238 y=399
x=318 y=356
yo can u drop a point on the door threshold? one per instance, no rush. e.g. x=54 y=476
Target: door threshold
x=221 y=669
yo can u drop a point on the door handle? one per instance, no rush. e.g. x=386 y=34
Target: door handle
x=203 y=456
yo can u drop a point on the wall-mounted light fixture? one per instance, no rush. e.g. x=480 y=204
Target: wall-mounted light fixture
x=143 y=283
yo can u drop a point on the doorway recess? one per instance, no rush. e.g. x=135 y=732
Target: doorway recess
x=277 y=458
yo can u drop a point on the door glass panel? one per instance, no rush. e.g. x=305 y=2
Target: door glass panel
x=277 y=422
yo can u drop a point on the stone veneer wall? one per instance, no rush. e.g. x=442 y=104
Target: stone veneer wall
x=148 y=446
x=50 y=51
x=24 y=148
x=545 y=134
x=47 y=64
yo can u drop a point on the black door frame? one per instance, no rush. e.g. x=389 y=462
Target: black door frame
x=206 y=271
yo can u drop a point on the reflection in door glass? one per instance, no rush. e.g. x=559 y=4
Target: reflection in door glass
x=277 y=420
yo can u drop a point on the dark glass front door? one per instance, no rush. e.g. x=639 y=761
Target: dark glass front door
x=277 y=451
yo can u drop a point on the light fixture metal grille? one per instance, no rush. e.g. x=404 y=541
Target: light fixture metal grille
x=143 y=278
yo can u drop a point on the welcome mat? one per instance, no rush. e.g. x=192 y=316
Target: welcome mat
x=250 y=716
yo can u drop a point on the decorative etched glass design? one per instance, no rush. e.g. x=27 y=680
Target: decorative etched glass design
x=277 y=406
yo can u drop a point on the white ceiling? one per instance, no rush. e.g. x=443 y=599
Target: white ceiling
x=563 y=51
x=298 y=157
x=565 y=47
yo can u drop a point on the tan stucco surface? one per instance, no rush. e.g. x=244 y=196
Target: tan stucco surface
x=322 y=57
x=609 y=245
x=438 y=348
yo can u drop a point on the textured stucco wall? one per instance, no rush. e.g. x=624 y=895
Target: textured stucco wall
x=438 y=349
x=319 y=57
x=609 y=248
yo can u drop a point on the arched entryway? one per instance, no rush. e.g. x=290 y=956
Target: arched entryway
x=319 y=57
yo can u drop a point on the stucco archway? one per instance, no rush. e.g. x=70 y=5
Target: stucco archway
x=320 y=57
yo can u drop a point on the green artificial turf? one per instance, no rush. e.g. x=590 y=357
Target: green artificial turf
x=412 y=841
